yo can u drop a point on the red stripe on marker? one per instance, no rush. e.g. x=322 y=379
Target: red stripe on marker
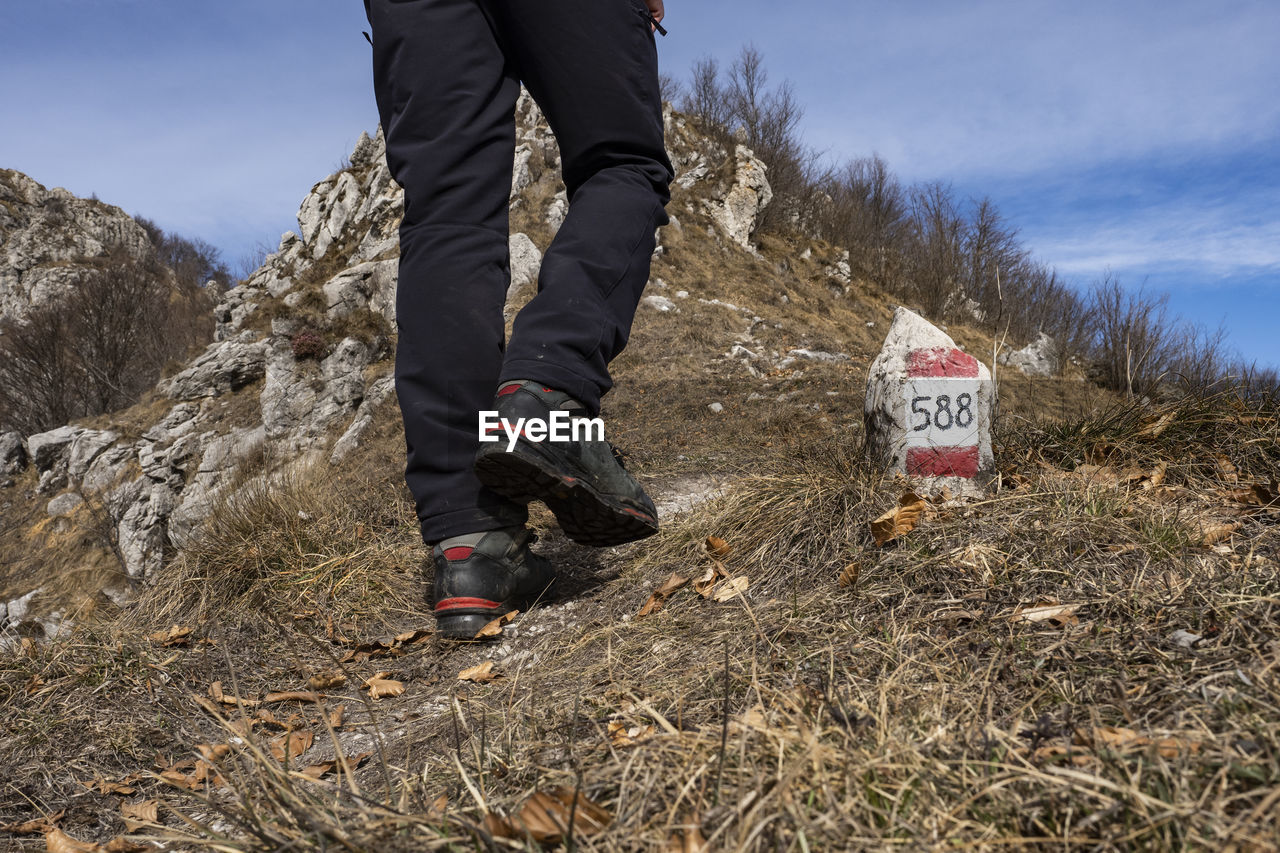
x=942 y=462
x=946 y=362
x=461 y=552
x=459 y=603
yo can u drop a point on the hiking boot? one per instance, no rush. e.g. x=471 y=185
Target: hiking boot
x=582 y=481
x=476 y=584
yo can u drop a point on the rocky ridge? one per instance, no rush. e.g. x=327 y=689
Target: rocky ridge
x=48 y=236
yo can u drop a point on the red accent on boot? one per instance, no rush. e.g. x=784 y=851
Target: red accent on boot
x=508 y=389
x=461 y=552
x=458 y=603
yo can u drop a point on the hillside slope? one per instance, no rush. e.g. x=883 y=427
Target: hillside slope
x=1088 y=657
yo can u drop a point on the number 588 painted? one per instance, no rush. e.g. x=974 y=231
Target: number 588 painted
x=941 y=412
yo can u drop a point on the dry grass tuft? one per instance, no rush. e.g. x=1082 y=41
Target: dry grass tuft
x=302 y=539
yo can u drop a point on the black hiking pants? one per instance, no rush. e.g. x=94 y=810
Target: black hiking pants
x=447 y=74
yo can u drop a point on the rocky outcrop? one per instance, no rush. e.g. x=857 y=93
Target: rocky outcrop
x=1041 y=357
x=48 y=238
x=13 y=453
x=223 y=367
x=738 y=211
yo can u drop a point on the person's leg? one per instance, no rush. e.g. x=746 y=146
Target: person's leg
x=592 y=67
x=446 y=100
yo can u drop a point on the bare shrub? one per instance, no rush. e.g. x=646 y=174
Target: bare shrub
x=1135 y=336
x=102 y=344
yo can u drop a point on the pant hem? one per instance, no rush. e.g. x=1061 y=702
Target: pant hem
x=463 y=521
x=585 y=391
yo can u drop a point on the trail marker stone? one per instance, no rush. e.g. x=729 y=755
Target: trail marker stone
x=928 y=409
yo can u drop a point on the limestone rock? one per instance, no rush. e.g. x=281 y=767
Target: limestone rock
x=16 y=610
x=526 y=261
x=928 y=409
x=378 y=392
x=660 y=303
x=140 y=532
x=85 y=447
x=301 y=399
x=818 y=355
x=65 y=504
x=179 y=421
x=107 y=468
x=738 y=212
x=1041 y=357
x=520 y=175
x=367 y=285
x=222 y=367
x=557 y=210
x=49 y=449
x=13 y=454
x=327 y=211
x=223 y=457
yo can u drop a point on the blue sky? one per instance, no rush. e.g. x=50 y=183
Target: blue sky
x=1141 y=137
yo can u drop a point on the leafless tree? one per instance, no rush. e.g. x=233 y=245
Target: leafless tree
x=705 y=99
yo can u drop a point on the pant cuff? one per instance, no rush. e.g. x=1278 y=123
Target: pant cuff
x=474 y=520
x=585 y=391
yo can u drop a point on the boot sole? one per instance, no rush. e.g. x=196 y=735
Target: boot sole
x=462 y=626
x=586 y=516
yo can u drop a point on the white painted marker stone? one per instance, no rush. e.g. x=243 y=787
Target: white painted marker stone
x=928 y=409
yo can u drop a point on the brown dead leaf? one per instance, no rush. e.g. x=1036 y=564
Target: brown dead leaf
x=481 y=673
x=545 y=816
x=620 y=734
x=57 y=841
x=336 y=715
x=1253 y=495
x=316 y=771
x=382 y=684
x=1120 y=739
x=494 y=628
x=139 y=814
x=177 y=635
x=292 y=696
x=1054 y=751
x=661 y=594
x=1055 y=613
x=689 y=838
x=123 y=845
x=730 y=588
x=213 y=751
x=1152 y=428
x=324 y=768
x=1100 y=475
x=413 y=638
x=498 y=826
x=290 y=745
x=849 y=577
x=39 y=826
x=1226 y=468
x=215 y=692
x=326 y=680
x=178 y=779
x=1212 y=534
x=707 y=582
x=718 y=548
x=102 y=786
x=900 y=520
